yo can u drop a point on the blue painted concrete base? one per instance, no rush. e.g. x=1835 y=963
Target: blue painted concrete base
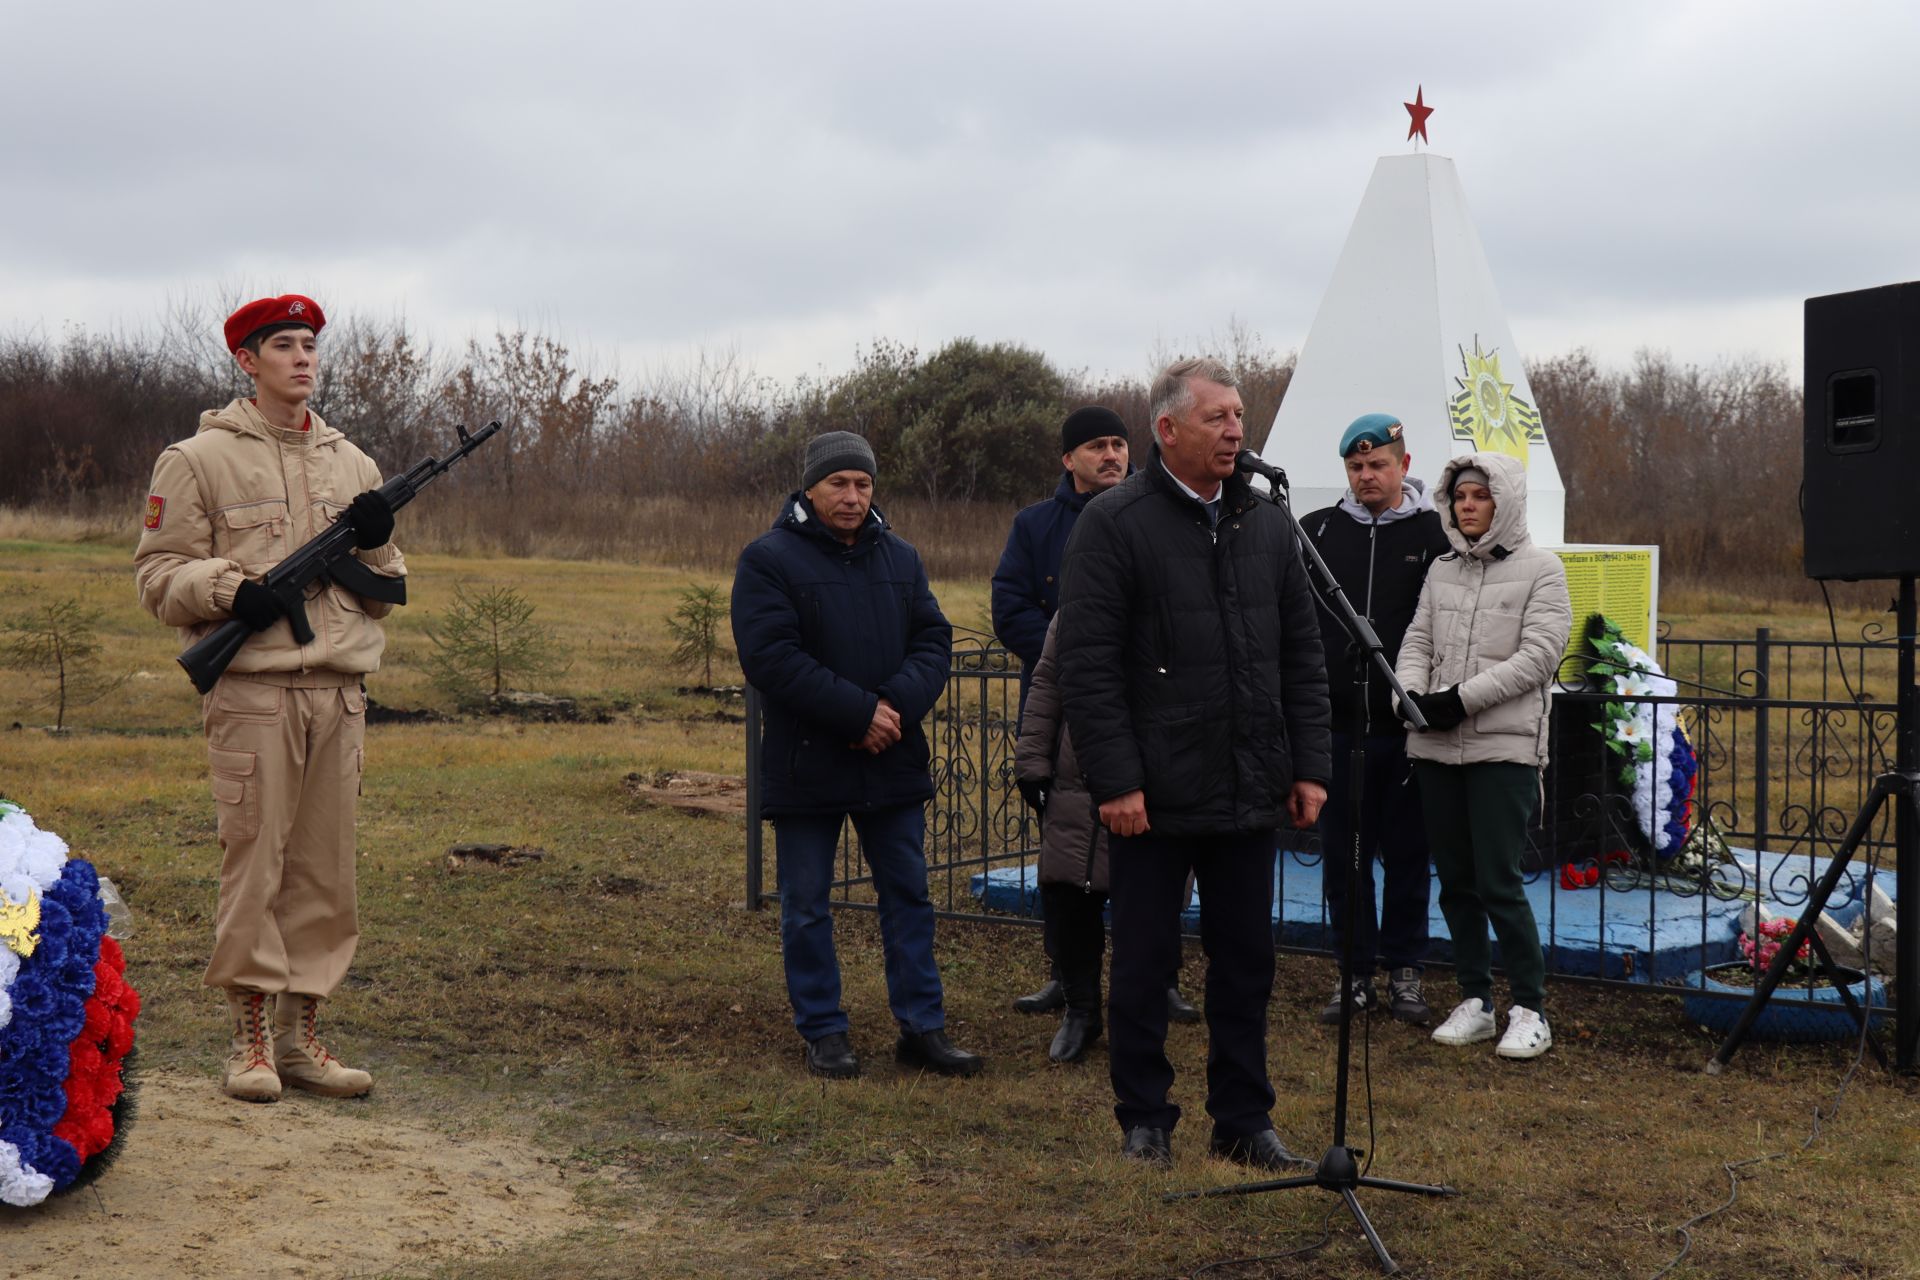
x=1644 y=935
x=1793 y=1014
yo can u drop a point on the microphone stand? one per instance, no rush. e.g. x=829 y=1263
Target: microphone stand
x=1339 y=1169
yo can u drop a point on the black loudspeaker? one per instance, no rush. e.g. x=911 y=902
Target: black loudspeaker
x=1862 y=444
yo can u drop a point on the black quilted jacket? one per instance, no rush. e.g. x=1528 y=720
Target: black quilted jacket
x=1190 y=658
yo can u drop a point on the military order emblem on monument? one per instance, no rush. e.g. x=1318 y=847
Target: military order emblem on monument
x=1486 y=412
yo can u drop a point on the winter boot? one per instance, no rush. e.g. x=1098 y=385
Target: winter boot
x=250 y=1075
x=1080 y=1025
x=304 y=1061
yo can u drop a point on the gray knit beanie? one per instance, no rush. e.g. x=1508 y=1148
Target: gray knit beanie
x=836 y=451
x=1469 y=475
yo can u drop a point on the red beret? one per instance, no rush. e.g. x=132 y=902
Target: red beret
x=288 y=308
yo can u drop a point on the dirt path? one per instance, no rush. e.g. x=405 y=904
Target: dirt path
x=211 y=1188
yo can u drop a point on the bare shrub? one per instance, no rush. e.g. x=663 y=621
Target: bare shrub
x=686 y=463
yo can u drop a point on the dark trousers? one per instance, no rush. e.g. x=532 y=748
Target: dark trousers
x=1477 y=817
x=1049 y=935
x=1392 y=829
x=893 y=841
x=1149 y=878
x=1076 y=933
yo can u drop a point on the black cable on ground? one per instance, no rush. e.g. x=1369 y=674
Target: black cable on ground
x=1326 y=1237
x=1366 y=1079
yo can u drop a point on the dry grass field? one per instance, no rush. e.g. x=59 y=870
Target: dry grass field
x=614 y=1006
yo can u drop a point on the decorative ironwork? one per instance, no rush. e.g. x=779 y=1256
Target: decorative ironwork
x=1788 y=736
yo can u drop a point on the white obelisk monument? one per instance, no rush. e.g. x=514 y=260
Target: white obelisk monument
x=1411 y=325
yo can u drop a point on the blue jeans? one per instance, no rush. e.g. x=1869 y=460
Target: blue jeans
x=806 y=845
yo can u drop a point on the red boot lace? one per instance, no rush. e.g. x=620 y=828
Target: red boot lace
x=310 y=1034
x=254 y=1023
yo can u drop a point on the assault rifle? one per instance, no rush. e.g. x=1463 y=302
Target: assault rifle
x=327 y=555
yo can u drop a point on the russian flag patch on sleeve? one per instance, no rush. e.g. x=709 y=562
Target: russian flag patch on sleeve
x=156 y=510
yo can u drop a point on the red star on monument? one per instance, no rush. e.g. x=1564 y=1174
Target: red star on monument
x=1419 y=110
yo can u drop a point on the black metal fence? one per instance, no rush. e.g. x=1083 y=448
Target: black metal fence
x=1787 y=735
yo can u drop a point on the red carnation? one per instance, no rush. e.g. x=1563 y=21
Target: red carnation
x=88 y=1133
x=80 y=1096
x=99 y=1022
x=111 y=953
x=84 y=1061
x=120 y=1039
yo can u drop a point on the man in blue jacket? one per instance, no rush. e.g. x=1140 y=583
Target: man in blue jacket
x=1026 y=586
x=838 y=630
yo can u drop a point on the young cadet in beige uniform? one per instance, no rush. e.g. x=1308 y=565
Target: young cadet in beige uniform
x=286 y=724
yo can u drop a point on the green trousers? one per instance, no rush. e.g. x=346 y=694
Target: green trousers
x=1477 y=818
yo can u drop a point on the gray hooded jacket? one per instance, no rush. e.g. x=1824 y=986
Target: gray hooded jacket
x=1493 y=619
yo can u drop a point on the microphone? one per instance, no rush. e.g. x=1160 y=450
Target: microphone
x=1251 y=463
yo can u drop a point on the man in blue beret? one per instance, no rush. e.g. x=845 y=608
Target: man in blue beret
x=1378 y=541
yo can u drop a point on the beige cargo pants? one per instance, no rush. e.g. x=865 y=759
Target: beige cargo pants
x=285 y=752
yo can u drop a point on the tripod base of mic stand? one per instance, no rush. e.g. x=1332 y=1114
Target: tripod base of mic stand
x=1338 y=1172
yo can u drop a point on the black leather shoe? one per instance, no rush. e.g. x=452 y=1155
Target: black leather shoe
x=1045 y=1000
x=1262 y=1150
x=1180 y=1009
x=1078 y=1030
x=932 y=1051
x=831 y=1056
x=1149 y=1146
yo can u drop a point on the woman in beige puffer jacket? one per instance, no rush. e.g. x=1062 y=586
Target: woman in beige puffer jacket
x=1479 y=662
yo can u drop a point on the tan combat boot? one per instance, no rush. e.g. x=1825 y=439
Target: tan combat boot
x=250 y=1074
x=304 y=1061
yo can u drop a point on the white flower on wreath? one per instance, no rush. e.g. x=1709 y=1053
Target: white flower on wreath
x=1632 y=684
x=17 y=887
x=20 y=1184
x=1630 y=731
x=27 y=850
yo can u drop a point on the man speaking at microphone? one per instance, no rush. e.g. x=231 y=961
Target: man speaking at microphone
x=1196 y=692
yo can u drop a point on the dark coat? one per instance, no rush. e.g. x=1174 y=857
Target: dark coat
x=824 y=632
x=1073 y=844
x=1382 y=567
x=1026 y=585
x=1190 y=659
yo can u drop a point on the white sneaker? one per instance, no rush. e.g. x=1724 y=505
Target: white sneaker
x=1471 y=1021
x=1528 y=1035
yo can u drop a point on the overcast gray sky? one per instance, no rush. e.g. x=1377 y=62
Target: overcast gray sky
x=792 y=180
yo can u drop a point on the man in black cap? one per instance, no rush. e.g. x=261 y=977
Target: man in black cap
x=1026 y=586
x=1026 y=592
x=838 y=630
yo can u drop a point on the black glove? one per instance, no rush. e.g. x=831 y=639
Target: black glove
x=1035 y=794
x=254 y=605
x=1443 y=710
x=372 y=520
